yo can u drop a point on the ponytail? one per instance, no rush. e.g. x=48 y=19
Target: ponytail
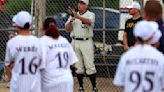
x=50 y=28
x=52 y=31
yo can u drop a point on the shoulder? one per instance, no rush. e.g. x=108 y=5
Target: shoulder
x=63 y=39
x=13 y=40
x=130 y=19
x=89 y=12
x=42 y=38
x=34 y=37
x=156 y=52
x=131 y=51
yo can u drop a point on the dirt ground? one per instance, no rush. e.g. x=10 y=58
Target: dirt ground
x=103 y=85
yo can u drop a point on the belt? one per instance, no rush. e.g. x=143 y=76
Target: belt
x=80 y=38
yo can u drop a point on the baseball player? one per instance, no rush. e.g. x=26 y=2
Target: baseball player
x=141 y=68
x=24 y=52
x=81 y=25
x=59 y=56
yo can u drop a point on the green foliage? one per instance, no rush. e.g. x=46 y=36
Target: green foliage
x=14 y=6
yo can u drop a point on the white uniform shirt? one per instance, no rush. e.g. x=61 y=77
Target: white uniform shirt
x=59 y=55
x=81 y=30
x=141 y=69
x=25 y=52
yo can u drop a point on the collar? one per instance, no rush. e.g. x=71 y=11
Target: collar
x=83 y=12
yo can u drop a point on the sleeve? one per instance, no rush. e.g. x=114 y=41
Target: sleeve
x=92 y=18
x=126 y=26
x=8 y=57
x=69 y=19
x=120 y=74
x=162 y=77
x=43 y=55
x=73 y=57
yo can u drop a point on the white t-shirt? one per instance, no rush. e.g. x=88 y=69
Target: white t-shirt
x=141 y=69
x=81 y=30
x=58 y=55
x=25 y=52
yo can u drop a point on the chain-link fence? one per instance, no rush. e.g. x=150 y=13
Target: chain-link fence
x=108 y=26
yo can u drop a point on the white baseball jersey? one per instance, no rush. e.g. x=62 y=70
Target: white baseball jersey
x=81 y=30
x=58 y=55
x=25 y=53
x=141 y=69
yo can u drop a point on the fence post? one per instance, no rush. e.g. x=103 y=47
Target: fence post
x=39 y=15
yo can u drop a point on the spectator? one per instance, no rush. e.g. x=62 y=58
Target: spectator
x=153 y=12
x=141 y=69
x=128 y=37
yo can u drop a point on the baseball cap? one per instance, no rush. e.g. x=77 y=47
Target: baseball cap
x=21 y=18
x=146 y=29
x=85 y=1
x=135 y=5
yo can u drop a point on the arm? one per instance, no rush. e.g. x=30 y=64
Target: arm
x=119 y=78
x=8 y=70
x=9 y=64
x=90 y=20
x=125 y=41
x=84 y=20
x=68 y=25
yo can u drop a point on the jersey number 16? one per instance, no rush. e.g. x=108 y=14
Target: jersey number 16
x=32 y=67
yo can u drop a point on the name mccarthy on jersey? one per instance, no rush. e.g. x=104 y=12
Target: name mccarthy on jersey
x=142 y=61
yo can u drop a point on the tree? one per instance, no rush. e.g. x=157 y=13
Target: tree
x=14 y=6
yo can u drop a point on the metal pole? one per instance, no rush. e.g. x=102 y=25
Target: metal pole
x=142 y=6
x=104 y=36
x=104 y=26
x=39 y=15
x=32 y=7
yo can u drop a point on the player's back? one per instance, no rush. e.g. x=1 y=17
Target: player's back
x=24 y=51
x=144 y=69
x=59 y=56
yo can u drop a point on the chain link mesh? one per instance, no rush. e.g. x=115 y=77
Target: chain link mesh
x=106 y=37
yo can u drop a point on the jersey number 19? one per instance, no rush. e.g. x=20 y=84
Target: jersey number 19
x=62 y=58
